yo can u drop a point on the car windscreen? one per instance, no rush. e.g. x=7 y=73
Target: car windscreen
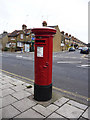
x=84 y=48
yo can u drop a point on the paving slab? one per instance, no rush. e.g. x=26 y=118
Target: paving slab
x=0 y=114
x=55 y=97
x=24 y=104
x=0 y=103
x=16 y=82
x=3 y=82
x=61 y=101
x=13 y=80
x=0 y=86
x=69 y=111
x=21 y=94
x=6 y=92
x=81 y=118
x=17 y=101
x=18 y=87
x=31 y=90
x=55 y=115
x=0 y=93
x=30 y=114
x=5 y=86
x=87 y=114
x=76 y=104
x=46 y=111
x=7 y=79
x=3 y=75
x=8 y=100
x=9 y=112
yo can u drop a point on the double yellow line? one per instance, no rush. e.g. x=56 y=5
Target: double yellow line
x=16 y=75
x=55 y=88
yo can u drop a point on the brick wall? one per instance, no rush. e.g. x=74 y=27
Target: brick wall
x=57 y=40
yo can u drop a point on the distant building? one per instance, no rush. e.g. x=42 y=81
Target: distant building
x=72 y=41
x=24 y=40
x=3 y=40
x=62 y=41
x=21 y=40
x=88 y=45
x=57 y=37
x=57 y=40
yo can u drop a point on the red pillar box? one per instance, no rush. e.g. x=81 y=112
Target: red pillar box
x=43 y=63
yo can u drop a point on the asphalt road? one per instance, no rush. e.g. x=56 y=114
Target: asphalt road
x=71 y=73
x=70 y=69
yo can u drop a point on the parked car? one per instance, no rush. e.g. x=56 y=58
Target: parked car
x=71 y=49
x=79 y=48
x=89 y=49
x=85 y=50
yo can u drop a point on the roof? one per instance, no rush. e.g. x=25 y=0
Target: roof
x=53 y=26
x=17 y=32
x=14 y=33
x=3 y=35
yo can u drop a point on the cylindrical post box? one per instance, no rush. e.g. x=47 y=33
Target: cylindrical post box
x=43 y=63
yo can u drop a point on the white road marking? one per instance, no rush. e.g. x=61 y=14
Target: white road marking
x=84 y=66
x=26 y=58
x=18 y=56
x=69 y=62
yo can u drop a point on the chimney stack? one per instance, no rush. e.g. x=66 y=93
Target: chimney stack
x=62 y=32
x=69 y=35
x=66 y=34
x=24 y=27
x=44 y=23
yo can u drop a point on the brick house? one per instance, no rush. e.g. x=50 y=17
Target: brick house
x=20 y=39
x=3 y=40
x=57 y=37
x=24 y=39
x=72 y=41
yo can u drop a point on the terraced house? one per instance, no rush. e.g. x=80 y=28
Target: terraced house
x=3 y=40
x=72 y=41
x=21 y=40
x=62 y=41
x=58 y=39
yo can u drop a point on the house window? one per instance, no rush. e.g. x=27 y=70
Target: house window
x=26 y=37
x=12 y=38
x=19 y=44
x=21 y=36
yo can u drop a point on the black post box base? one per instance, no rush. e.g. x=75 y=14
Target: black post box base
x=42 y=93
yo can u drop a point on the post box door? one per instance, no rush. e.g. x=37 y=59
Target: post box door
x=42 y=64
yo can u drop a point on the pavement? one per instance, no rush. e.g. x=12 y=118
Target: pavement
x=17 y=101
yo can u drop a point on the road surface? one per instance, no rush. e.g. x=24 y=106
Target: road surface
x=70 y=69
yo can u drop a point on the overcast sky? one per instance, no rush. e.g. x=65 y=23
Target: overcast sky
x=70 y=15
